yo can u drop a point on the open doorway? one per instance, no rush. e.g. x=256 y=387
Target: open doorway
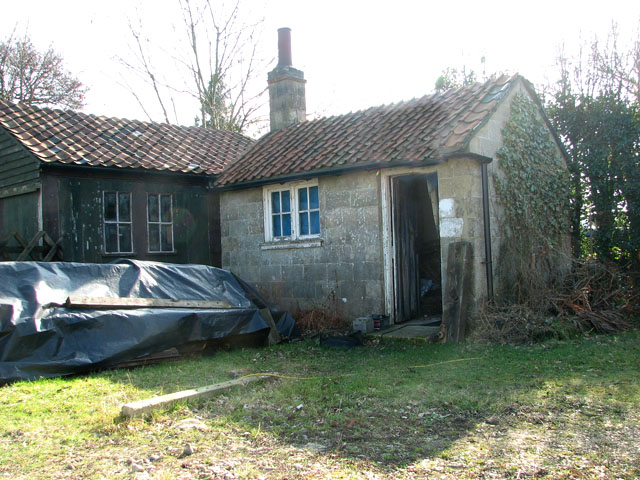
x=415 y=244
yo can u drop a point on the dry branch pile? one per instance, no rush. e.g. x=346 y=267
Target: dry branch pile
x=594 y=297
x=600 y=296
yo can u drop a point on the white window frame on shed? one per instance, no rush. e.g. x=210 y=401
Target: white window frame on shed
x=120 y=224
x=295 y=211
x=160 y=222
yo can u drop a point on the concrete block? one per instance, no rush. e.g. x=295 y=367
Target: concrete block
x=363 y=325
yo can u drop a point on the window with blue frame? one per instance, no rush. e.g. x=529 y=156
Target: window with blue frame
x=281 y=214
x=292 y=211
x=309 y=210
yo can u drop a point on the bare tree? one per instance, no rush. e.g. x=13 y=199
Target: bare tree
x=34 y=78
x=218 y=65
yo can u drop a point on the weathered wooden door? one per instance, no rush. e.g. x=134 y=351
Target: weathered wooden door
x=415 y=243
x=407 y=277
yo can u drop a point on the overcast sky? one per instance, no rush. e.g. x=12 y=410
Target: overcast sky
x=354 y=54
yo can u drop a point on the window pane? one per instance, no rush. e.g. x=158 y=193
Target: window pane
x=110 y=206
x=124 y=234
x=277 y=228
x=166 y=238
x=286 y=225
x=152 y=207
x=110 y=237
x=302 y=199
x=313 y=198
x=286 y=203
x=275 y=202
x=124 y=208
x=165 y=208
x=154 y=238
x=315 y=222
x=304 y=223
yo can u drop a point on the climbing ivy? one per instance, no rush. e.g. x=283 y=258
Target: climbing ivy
x=532 y=186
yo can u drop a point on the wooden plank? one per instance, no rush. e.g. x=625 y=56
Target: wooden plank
x=274 y=335
x=458 y=293
x=141 y=407
x=75 y=301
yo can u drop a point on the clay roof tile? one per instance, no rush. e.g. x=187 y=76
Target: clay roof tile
x=73 y=137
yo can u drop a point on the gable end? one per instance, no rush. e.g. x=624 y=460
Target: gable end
x=18 y=167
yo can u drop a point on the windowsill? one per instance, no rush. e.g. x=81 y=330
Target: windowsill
x=173 y=252
x=120 y=255
x=286 y=244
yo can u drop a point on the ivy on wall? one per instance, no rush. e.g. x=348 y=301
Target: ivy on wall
x=532 y=186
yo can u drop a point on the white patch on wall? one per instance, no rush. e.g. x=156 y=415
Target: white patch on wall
x=446 y=208
x=450 y=227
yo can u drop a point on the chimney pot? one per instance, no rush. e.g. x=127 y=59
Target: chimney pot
x=284 y=47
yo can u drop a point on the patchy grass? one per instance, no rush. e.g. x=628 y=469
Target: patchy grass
x=564 y=409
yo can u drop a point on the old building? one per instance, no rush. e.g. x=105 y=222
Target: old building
x=364 y=212
x=103 y=188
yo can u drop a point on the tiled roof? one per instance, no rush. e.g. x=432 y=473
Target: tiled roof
x=81 y=139
x=416 y=131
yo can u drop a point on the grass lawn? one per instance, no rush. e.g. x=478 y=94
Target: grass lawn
x=563 y=409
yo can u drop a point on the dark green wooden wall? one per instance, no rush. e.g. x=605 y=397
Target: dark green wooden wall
x=17 y=166
x=79 y=206
x=20 y=213
x=19 y=188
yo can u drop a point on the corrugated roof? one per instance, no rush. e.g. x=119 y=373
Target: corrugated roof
x=409 y=132
x=77 y=138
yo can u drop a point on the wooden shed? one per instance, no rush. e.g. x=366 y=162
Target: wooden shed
x=83 y=188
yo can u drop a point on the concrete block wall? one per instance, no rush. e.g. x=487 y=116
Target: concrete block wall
x=344 y=273
x=460 y=199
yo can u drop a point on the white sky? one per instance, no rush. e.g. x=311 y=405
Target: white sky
x=354 y=54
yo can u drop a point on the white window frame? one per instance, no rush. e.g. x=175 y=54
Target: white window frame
x=292 y=187
x=159 y=224
x=117 y=222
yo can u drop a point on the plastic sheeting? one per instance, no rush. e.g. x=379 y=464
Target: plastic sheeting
x=40 y=337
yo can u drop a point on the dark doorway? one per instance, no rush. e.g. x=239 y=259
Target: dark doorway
x=416 y=246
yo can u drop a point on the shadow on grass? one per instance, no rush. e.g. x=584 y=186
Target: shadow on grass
x=396 y=403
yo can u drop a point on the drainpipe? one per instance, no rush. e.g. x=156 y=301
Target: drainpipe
x=487 y=231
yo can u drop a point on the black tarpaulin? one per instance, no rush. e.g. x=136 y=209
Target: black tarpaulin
x=41 y=337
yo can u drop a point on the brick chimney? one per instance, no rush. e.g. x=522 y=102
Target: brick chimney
x=286 y=87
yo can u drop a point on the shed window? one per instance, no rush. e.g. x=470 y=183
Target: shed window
x=118 y=230
x=292 y=211
x=160 y=222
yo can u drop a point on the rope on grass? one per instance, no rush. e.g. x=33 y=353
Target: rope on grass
x=446 y=361
x=290 y=377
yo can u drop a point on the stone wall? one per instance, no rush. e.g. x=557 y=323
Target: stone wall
x=343 y=273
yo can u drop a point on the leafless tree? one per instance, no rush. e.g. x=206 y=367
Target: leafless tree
x=218 y=65
x=35 y=78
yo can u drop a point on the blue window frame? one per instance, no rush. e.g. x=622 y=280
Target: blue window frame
x=309 y=210
x=292 y=211
x=281 y=214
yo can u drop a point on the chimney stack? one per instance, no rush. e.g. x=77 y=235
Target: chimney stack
x=286 y=87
